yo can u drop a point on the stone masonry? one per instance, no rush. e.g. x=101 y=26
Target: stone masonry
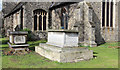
x=85 y=17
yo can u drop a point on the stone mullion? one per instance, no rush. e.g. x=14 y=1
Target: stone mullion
x=105 y=13
x=109 y=12
x=33 y=23
x=37 y=22
x=42 y=20
x=114 y=12
x=46 y=21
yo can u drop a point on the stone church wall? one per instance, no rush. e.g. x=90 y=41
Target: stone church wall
x=79 y=18
x=8 y=24
x=107 y=34
x=28 y=12
x=11 y=22
x=75 y=22
x=79 y=23
x=29 y=17
x=118 y=21
x=96 y=6
x=56 y=18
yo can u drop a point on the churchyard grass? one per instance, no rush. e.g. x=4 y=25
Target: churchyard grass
x=105 y=58
x=3 y=40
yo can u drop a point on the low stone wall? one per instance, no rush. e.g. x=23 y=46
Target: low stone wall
x=64 y=54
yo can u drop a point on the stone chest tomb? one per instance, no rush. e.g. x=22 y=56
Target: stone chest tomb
x=17 y=39
x=63 y=38
x=62 y=46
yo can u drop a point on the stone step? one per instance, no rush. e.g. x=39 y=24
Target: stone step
x=64 y=54
x=21 y=45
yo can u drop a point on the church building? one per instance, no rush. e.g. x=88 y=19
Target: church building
x=96 y=22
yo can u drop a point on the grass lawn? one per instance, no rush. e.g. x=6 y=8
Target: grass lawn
x=106 y=58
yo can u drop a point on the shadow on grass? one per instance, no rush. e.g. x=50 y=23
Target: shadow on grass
x=94 y=55
x=5 y=41
x=35 y=43
x=4 y=47
x=101 y=43
x=32 y=48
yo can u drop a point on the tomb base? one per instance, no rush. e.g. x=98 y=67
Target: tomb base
x=19 y=47
x=73 y=54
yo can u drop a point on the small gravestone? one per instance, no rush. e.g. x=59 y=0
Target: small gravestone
x=17 y=40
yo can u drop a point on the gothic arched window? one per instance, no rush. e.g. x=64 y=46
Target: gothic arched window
x=39 y=19
x=107 y=13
